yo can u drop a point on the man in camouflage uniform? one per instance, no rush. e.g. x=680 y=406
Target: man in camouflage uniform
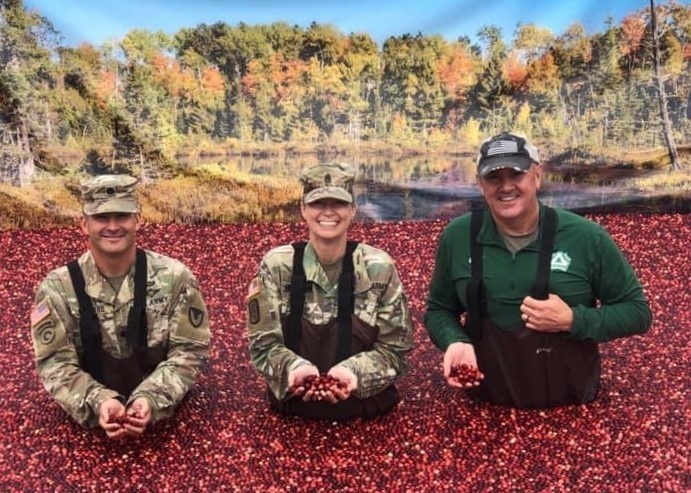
x=120 y=334
x=355 y=323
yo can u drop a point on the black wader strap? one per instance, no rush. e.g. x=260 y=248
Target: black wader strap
x=474 y=290
x=89 y=326
x=136 y=331
x=540 y=290
x=297 y=298
x=346 y=289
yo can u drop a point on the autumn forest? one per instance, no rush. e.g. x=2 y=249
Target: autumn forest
x=149 y=98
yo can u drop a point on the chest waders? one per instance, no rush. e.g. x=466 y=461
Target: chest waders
x=328 y=344
x=525 y=368
x=125 y=374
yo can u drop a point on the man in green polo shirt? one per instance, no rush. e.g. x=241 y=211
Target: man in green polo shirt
x=525 y=293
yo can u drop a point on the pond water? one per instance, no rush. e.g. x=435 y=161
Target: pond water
x=425 y=187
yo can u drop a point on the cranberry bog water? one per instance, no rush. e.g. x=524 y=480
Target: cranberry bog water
x=635 y=437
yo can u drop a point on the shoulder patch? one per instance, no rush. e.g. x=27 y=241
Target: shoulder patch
x=45 y=334
x=196 y=316
x=254 y=312
x=254 y=290
x=39 y=313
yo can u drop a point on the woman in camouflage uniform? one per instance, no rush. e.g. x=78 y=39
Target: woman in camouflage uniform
x=329 y=306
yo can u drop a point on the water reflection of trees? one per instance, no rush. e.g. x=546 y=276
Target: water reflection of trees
x=378 y=169
x=416 y=187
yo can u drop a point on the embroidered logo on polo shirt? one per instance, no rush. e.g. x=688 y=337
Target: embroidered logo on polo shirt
x=560 y=261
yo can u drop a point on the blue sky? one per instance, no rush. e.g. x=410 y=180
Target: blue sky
x=95 y=21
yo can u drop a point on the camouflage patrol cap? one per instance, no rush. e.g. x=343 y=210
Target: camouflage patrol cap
x=109 y=193
x=328 y=181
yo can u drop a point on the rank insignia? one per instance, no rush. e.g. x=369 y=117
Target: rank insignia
x=253 y=308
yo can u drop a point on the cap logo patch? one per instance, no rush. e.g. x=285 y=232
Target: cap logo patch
x=327 y=179
x=502 y=147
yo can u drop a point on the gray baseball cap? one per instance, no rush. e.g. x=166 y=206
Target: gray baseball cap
x=506 y=150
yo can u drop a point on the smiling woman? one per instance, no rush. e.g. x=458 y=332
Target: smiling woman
x=329 y=309
x=328 y=221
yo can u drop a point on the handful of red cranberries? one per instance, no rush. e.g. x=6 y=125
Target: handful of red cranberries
x=466 y=375
x=321 y=385
x=121 y=420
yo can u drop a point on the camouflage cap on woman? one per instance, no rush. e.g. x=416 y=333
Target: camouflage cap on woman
x=328 y=181
x=109 y=193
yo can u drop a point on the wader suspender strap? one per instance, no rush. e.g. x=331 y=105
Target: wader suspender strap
x=540 y=290
x=89 y=327
x=136 y=331
x=297 y=298
x=346 y=288
x=474 y=290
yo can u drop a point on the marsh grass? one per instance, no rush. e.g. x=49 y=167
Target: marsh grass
x=207 y=194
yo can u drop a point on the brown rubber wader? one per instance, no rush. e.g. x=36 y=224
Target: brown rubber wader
x=326 y=345
x=525 y=368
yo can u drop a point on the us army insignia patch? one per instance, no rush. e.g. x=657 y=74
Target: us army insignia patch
x=196 y=316
x=45 y=334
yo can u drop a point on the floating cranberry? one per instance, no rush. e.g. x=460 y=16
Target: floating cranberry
x=633 y=437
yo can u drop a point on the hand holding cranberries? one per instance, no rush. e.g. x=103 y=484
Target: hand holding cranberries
x=320 y=388
x=121 y=419
x=466 y=375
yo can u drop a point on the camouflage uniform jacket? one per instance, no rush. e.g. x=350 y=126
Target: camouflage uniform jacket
x=176 y=318
x=379 y=301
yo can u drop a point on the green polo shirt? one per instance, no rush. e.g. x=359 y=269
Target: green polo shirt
x=587 y=267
